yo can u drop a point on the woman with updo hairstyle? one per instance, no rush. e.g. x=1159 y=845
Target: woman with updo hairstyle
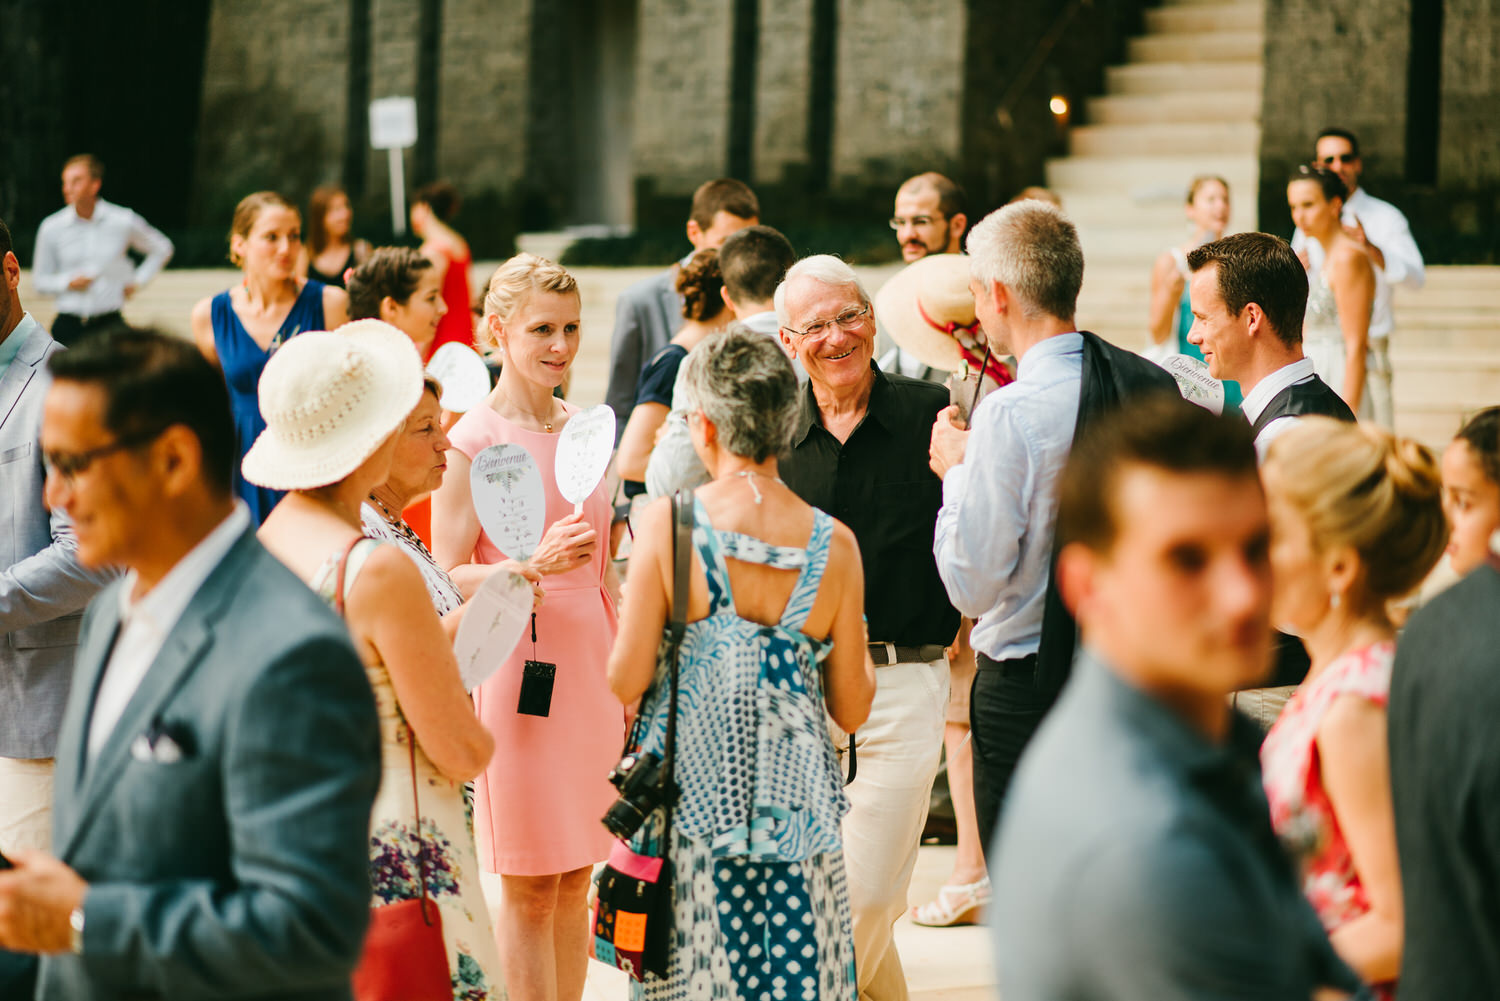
x=433 y=207
x=240 y=328
x=1357 y=523
x=401 y=287
x=775 y=645
x=705 y=312
x=331 y=250
x=1471 y=491
x=1341 y=296
x=537 y=806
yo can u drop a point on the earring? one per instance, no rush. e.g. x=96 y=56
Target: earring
x=1335 y=599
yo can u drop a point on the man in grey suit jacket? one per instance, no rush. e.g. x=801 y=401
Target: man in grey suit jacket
x=649 y=313
x=219 y=756
x=42 y=587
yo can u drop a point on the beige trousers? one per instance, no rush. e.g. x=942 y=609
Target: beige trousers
x=25 y=803
x=898 y=750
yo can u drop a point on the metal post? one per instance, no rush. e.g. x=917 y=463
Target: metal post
x=398 y=191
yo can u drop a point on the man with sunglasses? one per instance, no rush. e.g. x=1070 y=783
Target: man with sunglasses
x=1383 y=231
x=859 y=452
x=42 y=588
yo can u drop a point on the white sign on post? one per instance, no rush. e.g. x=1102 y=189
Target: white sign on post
x=393 y=128
x=583 y=451
x=509 y=498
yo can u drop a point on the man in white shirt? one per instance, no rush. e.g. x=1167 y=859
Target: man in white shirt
x=1383 y=231
x=82 y=254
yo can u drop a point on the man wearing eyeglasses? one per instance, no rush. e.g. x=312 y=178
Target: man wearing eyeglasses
x=930 y=218
x=1382 y=230
x=42 y=588
x=859 y=452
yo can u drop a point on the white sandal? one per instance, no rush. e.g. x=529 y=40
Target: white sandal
x=961 y=904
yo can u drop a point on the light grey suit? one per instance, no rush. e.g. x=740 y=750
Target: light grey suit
x=647 y=315
x=42 y=588
x=241 y=870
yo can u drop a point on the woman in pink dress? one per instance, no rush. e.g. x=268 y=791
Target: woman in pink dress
x=537 y=808
x=1357 y=522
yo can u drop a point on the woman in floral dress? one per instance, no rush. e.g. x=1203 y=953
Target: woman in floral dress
x=1357 y=521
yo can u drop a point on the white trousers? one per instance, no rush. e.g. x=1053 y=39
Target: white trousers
x=897 y=753
x=25 y=803
x=1378 y=382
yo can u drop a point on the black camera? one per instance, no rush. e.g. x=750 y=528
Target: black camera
x=639 y=778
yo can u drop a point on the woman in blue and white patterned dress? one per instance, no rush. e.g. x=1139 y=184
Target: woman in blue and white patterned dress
x=775 y=644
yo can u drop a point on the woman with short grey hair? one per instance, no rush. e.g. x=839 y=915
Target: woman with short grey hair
x=775 y=643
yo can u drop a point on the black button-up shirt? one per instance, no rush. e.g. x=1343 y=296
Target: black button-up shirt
x=879 y=484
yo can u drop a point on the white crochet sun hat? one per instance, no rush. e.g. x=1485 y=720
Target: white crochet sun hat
x=329 y=399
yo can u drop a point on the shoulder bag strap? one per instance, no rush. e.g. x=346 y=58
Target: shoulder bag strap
x=411 y=749
x=338 y=581
x=682 y=561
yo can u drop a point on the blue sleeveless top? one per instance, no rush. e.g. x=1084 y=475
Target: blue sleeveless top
x=755 y=763
x=242 y=361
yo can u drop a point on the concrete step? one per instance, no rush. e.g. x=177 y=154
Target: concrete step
x=1234 y=105
x=1198 y=47
x=1184 y=77
x=1183 y=18
x=1165 y=139
x=1433 y=428
x=1122 y=175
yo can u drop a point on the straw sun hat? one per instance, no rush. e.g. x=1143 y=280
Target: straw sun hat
x=329 y=400
x=924 y=305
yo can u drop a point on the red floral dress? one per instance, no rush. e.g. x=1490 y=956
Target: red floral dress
x=1300 y=810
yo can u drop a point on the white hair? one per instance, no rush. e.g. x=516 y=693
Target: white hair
x=825 y=269
x=1032 y=249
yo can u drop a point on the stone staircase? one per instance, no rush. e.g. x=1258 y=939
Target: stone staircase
x=1187 y=103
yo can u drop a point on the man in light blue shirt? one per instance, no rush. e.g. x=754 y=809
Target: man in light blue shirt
x=993 y=539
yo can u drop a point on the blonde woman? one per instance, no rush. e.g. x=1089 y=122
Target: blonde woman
x=1357 y=521
x=537 y=808
x=240 y=328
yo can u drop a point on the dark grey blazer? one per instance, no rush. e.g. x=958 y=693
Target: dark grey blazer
x=241 y=870
x=647 y=315
x=42 y=588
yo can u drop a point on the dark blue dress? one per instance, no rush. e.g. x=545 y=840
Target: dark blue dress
x=242 y=361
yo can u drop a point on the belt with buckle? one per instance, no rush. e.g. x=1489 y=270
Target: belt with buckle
x=885 y=654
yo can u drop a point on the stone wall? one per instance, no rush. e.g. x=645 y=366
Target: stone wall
x=1469 y=121
x=783 y=79
x=275 y=96
x=682 y=94
x=899 y=92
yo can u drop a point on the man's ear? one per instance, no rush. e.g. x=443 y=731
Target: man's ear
x=1077 y=567
x=695 y=234
x=1255 y=319
x=728 y=302
x=956 y=226
x=177 y=460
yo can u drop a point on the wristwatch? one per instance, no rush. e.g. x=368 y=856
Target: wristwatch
x=75 y=920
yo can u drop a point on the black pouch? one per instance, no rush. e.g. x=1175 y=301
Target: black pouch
x=536 y=688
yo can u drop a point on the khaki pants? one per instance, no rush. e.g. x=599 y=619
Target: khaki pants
x=898 y=750
x=25 y=803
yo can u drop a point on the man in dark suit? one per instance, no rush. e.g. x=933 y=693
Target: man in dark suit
x=42 y=587
x=219 y=755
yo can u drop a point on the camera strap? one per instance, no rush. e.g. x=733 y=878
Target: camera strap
x=682 y=564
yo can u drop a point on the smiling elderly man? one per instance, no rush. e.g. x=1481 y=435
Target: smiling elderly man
x=859 y=452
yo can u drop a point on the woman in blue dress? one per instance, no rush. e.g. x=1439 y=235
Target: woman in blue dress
x=775 y=645
x=1171 y=315
x=241 y=327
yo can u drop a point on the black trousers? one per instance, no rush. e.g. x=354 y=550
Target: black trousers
x=68 y=329
x=1005 y=708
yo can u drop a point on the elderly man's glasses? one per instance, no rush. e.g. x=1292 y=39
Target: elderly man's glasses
x=897 y=222
x=70 y=464
x=848 y=320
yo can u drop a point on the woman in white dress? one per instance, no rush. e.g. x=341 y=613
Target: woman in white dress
x=1336 y=330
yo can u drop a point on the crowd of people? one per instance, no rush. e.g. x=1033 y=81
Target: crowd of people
x=235 y=733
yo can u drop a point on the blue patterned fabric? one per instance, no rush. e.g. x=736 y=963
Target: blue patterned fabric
x=758 y=773
x=760 y=903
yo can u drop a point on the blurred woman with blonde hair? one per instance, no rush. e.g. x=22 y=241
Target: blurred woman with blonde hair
x=1357 y=522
